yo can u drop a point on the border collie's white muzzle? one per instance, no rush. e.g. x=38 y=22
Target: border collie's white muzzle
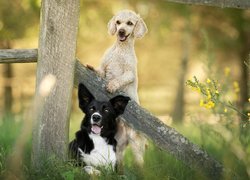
x=96 y=120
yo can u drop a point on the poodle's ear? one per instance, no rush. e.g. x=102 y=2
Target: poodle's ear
x=112 y=26
x=119 y=103
x=84 y=97
x=140 y=28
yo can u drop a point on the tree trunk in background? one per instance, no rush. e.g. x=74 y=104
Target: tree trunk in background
x=244 y=84
x=179 y=106
x=245 y=55
x=241 y=22
x=8 y=99
x=7 y=75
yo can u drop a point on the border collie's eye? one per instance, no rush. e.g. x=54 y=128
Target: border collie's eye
x=130 y=23
x=118 y=22
x=106 y=110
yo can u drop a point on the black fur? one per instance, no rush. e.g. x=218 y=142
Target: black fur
x=109 y=111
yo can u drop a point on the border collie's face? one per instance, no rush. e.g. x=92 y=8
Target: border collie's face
x=100 y=117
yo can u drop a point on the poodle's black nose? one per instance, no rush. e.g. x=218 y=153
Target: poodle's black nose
x=122 y=32
x=96 y=118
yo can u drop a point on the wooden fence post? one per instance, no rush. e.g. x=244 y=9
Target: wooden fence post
x=56 y=56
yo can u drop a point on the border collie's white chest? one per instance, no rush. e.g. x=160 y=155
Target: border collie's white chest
x=103 y=154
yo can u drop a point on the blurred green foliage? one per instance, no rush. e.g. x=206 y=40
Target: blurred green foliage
x=16 y=17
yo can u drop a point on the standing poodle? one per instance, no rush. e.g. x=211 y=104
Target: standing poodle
x=119 y=68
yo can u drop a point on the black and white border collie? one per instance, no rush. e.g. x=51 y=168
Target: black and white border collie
x=95 y=143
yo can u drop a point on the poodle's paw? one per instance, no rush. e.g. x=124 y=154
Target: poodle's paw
x=100 y=73
x=90 y=67
x=113 y=86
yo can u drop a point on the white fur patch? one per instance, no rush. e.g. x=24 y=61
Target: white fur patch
x=96 y=113
x=102 y=155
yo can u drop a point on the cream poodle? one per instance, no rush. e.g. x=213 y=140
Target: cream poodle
x=119 y=68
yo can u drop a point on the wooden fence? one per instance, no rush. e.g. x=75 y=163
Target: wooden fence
x=137 y=117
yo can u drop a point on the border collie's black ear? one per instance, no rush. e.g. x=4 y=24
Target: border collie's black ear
x=84 y=97
x=119 y=103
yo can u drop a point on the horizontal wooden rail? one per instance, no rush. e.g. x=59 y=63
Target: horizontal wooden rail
x=139 y=118
x=239 y=4
x=18 y=55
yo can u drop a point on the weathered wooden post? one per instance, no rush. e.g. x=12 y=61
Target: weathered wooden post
x=56 y=56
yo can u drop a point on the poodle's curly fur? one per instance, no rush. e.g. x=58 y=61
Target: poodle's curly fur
x=119 y=63
x=119 y=68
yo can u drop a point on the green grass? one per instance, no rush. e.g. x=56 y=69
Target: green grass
x=8 y=133
x=158 y=163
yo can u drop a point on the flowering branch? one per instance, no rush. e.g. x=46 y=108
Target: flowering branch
x=210 y=92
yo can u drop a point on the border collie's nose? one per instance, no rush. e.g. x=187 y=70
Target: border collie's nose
x=96 y=117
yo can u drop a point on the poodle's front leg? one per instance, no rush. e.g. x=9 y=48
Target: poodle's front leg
x=119 y=82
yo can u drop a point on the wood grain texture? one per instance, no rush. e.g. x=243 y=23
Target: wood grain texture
x=165 y=137
x=56 y=56
x=240 y=4
x=18 y=55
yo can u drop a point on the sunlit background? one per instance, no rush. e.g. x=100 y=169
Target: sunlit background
x=183 y=41
x=199 y=35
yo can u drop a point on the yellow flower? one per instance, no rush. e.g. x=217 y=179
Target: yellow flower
x=216 y=92
x=201 y=102
x=225 y=110
x=199 y=89
x=196 y=89
x=237 y=90
x=208 y=80
x=236 y=87
x=210 y=104
x=236 y=84
x=227 y=71
x=208 y=94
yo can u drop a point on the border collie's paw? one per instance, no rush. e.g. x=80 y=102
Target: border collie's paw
x=91 y=170
x=123 y=177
